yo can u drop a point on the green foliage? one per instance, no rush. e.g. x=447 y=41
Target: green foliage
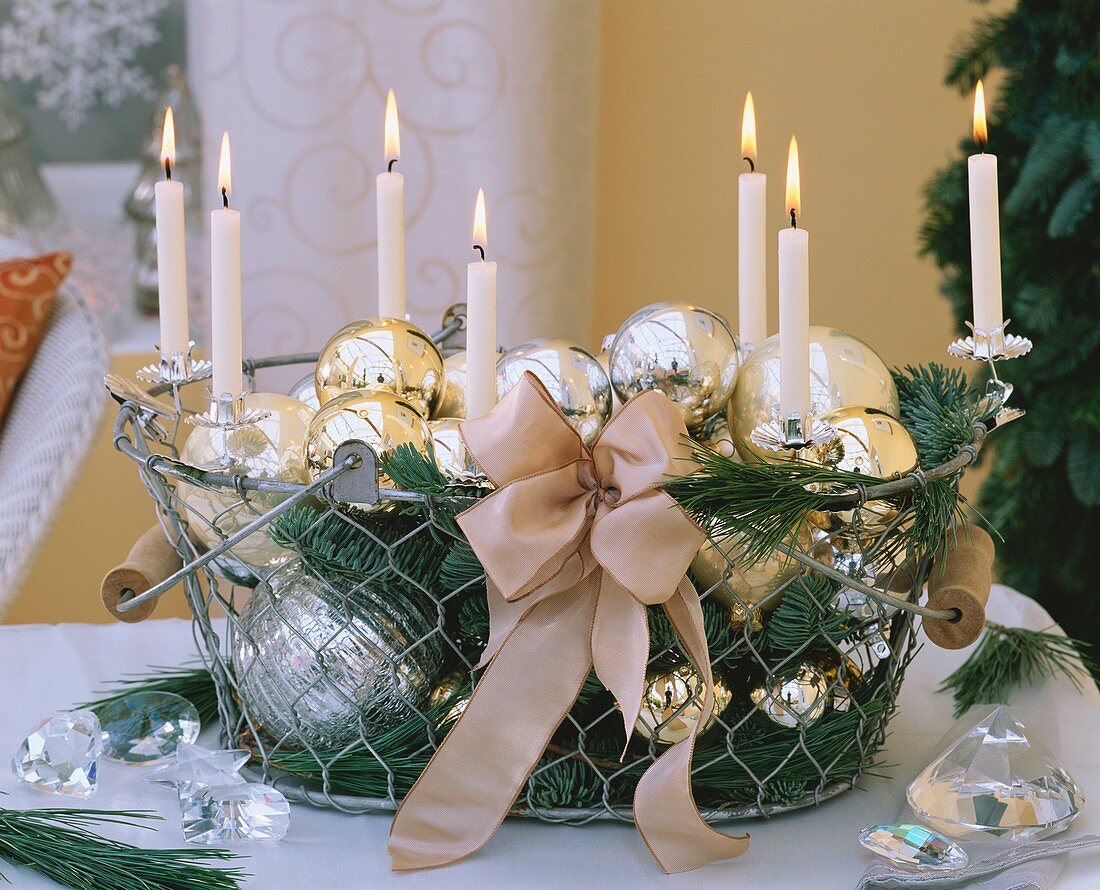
x=61 y=845
x=192 y=682
x=1043 y=488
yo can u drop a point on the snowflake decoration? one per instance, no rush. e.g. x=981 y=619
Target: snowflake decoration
x=79 y=52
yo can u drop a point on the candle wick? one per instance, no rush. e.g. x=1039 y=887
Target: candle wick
x=389 y=166
x=794 y=219
x=981 y=146
x=752 y=165
x=225 y=198
x=480 y=250
x=168 y=169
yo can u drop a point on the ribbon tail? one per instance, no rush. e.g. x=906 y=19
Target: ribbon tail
x=620 y=647
x=664 y=806
x=476 y=774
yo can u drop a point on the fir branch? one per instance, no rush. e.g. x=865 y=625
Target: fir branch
x=193 y=683
x=1008 y=657
x=60 y=844
x=803 y=620
x=938 y=408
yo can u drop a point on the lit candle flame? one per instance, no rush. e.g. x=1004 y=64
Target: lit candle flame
x=393 y=131
x=981 y=132
x=748 y=131
x=481 y=234
x=225 y=178
x=168 y=141
x=794 y=188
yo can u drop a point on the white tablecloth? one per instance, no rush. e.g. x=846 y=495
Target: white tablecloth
x=47 y=668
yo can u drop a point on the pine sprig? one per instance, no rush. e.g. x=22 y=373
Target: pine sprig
x=1008 y=657
x=60 y=844
x=938 y=408
x=192 y=682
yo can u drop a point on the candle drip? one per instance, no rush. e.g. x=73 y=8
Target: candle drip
x=480 y=250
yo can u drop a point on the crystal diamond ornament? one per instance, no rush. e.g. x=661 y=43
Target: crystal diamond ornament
x=996 y=781
x=60 y=755
x=146 y=727
x=195 y=767
x=246 y=812
x=914 y=847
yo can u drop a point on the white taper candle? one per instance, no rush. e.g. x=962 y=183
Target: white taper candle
x=168 y=197
x=481 y=323
x=225 y=287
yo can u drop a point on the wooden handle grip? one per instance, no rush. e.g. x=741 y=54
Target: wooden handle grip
x=151 y=560
x=960 y=579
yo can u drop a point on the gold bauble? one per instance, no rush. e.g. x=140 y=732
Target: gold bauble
x=305 y=391
x=797 y=701
x=726 y=574
x=676 y=696
x=381 y=352
x=715 y=435
x=843 y=371
x=449 y=447
x=844 y=677
x=871 y=443
x=272 y=448
x=452 y=398
x=740 y=616
x=456 y=689
x=375 y=416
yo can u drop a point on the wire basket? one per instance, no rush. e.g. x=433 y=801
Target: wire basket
x=410 y=635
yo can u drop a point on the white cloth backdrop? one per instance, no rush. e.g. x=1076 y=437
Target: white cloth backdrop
x=496 y=93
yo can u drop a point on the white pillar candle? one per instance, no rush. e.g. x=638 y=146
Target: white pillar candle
x=794 y=302
x=985 y=226
x=390 y=186
x=171 y=249
x=225 y=287
x=752 y=298
x=481 y=323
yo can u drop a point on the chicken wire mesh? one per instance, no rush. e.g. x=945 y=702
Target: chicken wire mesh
x=342 y=685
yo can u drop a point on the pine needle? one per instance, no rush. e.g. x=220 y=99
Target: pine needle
x=1008 y=657
x=192 y=682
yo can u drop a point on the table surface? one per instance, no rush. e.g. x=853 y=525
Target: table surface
x=47 y=668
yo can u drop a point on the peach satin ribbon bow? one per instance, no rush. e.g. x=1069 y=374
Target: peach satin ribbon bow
x=575 y=544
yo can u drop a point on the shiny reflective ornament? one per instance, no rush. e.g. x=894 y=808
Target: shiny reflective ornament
x=996 y=782
x=844 y=677
x=456 y=689
x=382 y=352
x=914 y=848
x=271 y=448
x=195 y=767
x=314 y=665
x=305 y=391
x=843 y=371
x=715 y=435
x=241 y=812
x=449 y=448
x=869 y=640
x=572 y=376
x=377 y=417
x=686 y=352
x=873 y=444
x=146 y=727
x=452 y=397
x=672 y=704
x=799 y=701
x=61 y=755
x=740 y=617
x=604 y=358
x=722 y=569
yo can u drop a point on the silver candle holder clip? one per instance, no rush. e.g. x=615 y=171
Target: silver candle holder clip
x=176 y=368
x=991 y=347
x=793 y=432
x=228 y=412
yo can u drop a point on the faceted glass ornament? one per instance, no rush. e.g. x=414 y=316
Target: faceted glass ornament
x=245 y=812
x=914 y=847
x=996 y=781
x=195 y=767
x=60 y=755
x=145 y=727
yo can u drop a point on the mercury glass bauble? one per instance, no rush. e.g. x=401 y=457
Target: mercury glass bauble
x=797 y=701
x=375 y=416
x=382 y=352
x=686 y=352
x=843 y=371
x=570 y=374
x=305 y=390
x=672 y=704
x=724 y=571
x=452 y=398
x=324 y=667
x=273 y=448
x=451 y=455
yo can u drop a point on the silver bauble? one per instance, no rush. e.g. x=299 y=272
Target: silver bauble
x=273 y=448
x=452 y=398
x=674 y=698
x=381 y=352
x=321 y=667
x=305 y=390
x=843 y=371
x=799 y=701
x=604 y=358
x=571 y=375
x=724 y=571
x=451 y=455
x=686 y=352
x=869 y=640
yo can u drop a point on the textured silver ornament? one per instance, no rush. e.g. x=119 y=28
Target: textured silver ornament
x=324 y=667
x=572 y=376
x=686 y=352
x=382 y=352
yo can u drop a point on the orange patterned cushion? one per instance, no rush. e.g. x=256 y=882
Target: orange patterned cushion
x=27 y=289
